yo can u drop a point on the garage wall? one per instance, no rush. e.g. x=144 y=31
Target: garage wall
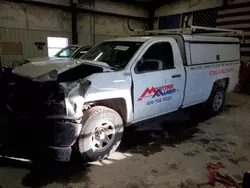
x=108 y=6
x=230 y=14
x=182 y=6
x=55 y=2
x=93 y=29
x=177 y=8
x=28 y=23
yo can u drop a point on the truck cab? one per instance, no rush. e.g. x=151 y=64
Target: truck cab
x=168 y=70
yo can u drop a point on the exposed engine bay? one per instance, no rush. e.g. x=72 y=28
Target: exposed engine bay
x=55 y=98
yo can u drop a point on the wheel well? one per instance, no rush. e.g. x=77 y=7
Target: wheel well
x=117 y=104
x=222 y=83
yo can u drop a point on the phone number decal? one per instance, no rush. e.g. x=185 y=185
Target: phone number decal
x=156 y=101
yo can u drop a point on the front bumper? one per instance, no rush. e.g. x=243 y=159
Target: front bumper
x=40 y=138
x=42 y=153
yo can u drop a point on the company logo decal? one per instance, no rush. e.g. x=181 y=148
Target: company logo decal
x=157 y=91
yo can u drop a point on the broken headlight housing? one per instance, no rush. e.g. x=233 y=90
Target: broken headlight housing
x=55 y=105
x=55 y=108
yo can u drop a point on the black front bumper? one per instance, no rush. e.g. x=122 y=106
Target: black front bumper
x=41 y=139
x=40 y=153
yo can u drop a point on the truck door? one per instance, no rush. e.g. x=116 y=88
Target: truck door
x=158 y=79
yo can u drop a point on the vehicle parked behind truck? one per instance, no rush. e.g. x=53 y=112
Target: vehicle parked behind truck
x=71 y=51
x=83 y=106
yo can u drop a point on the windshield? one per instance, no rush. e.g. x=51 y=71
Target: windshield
x=115 y=53
x=66 y=52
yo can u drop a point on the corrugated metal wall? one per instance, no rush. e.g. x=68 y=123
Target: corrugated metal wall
x=20 y=22
x=56 y=2
x=29 y=23
x=28 y=39
x=236 y=15
x=93 y=29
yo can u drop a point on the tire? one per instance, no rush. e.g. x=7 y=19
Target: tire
x=214 y=107
x=101 y=133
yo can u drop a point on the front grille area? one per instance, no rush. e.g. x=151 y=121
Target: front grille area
x=29 y=98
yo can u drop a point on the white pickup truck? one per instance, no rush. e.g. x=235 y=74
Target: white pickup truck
x=84 y=105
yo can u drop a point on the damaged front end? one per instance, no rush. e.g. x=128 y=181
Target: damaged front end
x=74 y=97
x=49 y=100
x=55 y=94
x=46 y=111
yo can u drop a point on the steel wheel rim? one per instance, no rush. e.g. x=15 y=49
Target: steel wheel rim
x=218 y=100
x=102 y=136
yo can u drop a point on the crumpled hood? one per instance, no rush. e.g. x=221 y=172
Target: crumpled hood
x=35 y=69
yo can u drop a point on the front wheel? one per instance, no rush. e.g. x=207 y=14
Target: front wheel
x=216 y=101
x=101 y=133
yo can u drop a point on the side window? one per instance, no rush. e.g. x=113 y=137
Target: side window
x=66 y=53
x=158 y=57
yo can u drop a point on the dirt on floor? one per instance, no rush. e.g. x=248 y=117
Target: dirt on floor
x=170 y=152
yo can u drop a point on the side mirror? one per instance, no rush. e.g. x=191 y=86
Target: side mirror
x=150 y=65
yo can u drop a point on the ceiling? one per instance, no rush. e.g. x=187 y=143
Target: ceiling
x=146 y=2
x=140 y=1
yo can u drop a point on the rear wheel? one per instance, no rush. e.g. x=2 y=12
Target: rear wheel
x=101 y=133
x=216 y=101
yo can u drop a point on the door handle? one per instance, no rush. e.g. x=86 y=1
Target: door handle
x=176 y=76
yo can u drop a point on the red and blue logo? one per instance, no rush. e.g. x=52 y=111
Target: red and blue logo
x=157 y=91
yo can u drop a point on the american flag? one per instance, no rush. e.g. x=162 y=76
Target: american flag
x=205 y=18
x=235 y=16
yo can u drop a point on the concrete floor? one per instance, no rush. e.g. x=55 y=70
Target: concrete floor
x=171 y=151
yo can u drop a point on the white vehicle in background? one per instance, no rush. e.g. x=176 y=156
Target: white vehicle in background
x=71 y=51
x=83 y=106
